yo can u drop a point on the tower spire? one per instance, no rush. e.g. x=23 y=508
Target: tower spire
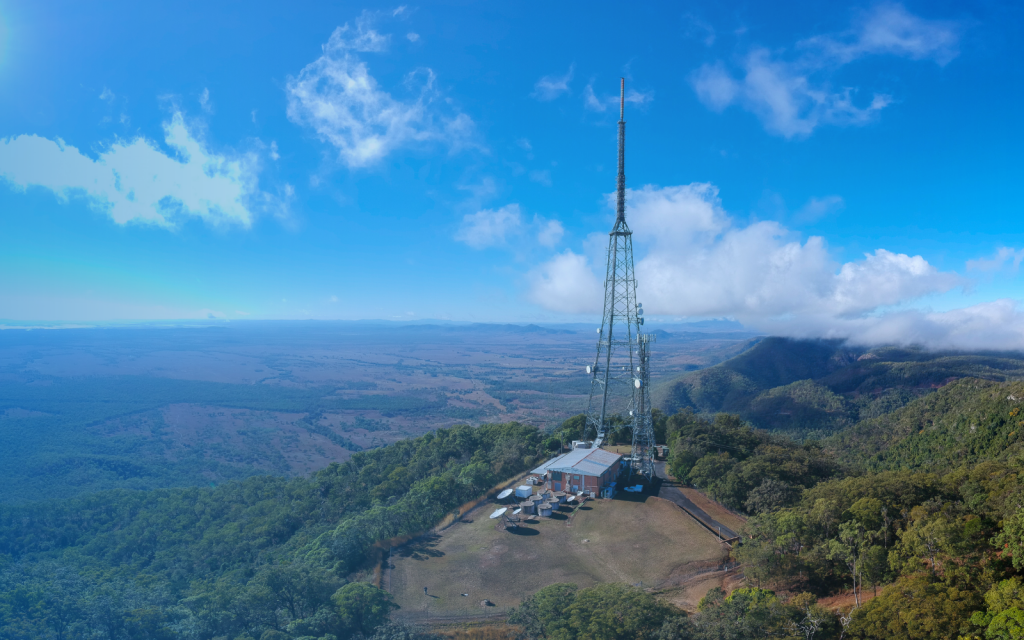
x=620 y=195
x=619 y=375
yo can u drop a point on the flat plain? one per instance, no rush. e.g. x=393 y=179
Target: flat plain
x=148 y=406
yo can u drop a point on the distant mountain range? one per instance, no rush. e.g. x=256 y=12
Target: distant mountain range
x=815 y=388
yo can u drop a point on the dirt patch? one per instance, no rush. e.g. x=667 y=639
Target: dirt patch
x=730 y=519
x=687 y=596
x=633 y=542
x=846 y=601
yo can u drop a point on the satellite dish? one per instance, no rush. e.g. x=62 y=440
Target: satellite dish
x=504 y=494
x=497 y=513
x=639 y=311
x=588 y=369
x=599 y=330
x=637 y=383
x=640 y=304
x=641 y=321
x=516 y=512
x=630 y=412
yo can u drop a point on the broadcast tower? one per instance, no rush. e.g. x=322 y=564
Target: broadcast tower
x=620 y=375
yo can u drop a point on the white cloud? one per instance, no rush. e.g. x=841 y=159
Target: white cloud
x=699 y=262
x=715 y=86
x=107 y=95
x=694 y=260
x=817 y=208
x=997 y=325
x=204 y=101
x=782 y=95
x=602 y=104
x=891 y=29
x=551 y=232
x=550 y=87
x=524 y=144
x=997 y=262
x=694 y=27
x=337 y=97
x=413 y=37
x=489 y=227
x=567 y=284
x=792 y=97
x=136 y=181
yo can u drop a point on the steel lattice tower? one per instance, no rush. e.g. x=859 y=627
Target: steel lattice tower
x=619 y=375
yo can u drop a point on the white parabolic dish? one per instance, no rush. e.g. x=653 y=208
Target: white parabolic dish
x=504 y=494
x=497 y=512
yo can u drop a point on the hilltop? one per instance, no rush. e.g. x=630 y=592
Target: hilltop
x=813 y=388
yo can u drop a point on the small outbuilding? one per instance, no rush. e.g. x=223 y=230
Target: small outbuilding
x=589 y=470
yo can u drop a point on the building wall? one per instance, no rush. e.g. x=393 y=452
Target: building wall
x=586 y=483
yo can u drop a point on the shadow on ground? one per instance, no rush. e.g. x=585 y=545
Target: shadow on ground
x=422 y=548
x=649 y=489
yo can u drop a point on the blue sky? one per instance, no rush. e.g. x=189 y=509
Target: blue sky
x=807 y=168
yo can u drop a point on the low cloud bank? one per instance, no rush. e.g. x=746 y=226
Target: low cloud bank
x=693 y=259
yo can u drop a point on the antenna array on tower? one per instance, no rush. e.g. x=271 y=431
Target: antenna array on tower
x=620 y=374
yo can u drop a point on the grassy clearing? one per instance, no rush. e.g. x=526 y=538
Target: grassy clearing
x=609 y=541
x=715 y=510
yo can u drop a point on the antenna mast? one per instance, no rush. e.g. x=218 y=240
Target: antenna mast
x=619 y=375
x=620 y=194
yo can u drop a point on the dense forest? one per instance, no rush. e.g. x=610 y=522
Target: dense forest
x=916 y=514
x=264 y=558
x=52 y=447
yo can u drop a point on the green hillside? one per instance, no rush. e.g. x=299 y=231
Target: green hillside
x=965 y=422
x=815 y=388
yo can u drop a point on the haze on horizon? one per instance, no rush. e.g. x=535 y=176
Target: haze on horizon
x=841 y=171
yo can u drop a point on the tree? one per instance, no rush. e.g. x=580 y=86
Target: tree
x=1004 y=618
x=848 y=549
x=603 y=612
x=770 y=495
x=919 y=607
x=1011 y=539
x=363 y=607
x=615 y=610
x=810 y=617
x=544 y=614
x=746 y=613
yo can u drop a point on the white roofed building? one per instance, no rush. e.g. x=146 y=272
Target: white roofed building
x=590 y=470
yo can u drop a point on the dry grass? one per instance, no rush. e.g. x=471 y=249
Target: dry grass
x=641 y=540
x=688 y=596
x=715 y=510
